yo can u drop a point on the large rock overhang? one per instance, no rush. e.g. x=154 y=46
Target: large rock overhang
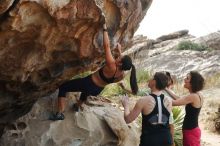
x=45 y=42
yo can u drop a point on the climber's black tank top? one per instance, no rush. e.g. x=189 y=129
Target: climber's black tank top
x=191 y=117
x=107 y=80
x=154 y=133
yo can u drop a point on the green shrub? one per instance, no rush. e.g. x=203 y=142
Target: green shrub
x=188 y=45
x=82 y=75
x=143 y=92
x=142 y=76
x=178 y=122
x=112 y=90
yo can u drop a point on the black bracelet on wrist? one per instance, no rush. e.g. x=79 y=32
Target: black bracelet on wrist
x=104 y=29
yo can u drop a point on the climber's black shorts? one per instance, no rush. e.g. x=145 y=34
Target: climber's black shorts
x=156 y=138
x=84 y=85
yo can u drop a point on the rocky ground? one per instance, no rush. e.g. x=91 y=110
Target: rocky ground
x=99 y=124
x=210 y=137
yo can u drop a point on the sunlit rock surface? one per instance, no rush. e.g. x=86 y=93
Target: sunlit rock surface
x=158 y=55
x=212 y=40
x=100 y=124
x=45 y=42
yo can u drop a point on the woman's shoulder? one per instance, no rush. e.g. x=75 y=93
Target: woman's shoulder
x=147 y=98
x=195 y=98
x=168 y=98
x=195 y=95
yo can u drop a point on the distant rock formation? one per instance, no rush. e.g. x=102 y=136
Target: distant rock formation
x=45 y=42
x=158 y=55
x=212 y=40
x=173 y=35
x=100 y=124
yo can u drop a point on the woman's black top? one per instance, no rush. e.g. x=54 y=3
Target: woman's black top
x=191 y=117
x=154 y=133
x=105 y=79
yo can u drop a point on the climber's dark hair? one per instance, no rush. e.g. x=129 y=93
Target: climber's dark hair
x=127 y=65
x=169 y=78
x=161 y=80
x=197 y=81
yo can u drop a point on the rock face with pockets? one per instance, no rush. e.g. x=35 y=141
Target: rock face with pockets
x=45 y=42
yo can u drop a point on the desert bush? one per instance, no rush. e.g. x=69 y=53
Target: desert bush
x=188 y=45
x=143 y=76
x=178 y=122
x=112 y=90
x=82 y=75
x=115 y=90
x=212 y=81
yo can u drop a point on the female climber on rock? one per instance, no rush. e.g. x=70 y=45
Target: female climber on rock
x=112 y=71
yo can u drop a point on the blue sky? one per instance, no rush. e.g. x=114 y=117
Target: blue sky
x=200 y=17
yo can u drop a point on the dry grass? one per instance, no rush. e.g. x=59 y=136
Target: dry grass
x=211 y=93
x=213 y=81
x=210 y=108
